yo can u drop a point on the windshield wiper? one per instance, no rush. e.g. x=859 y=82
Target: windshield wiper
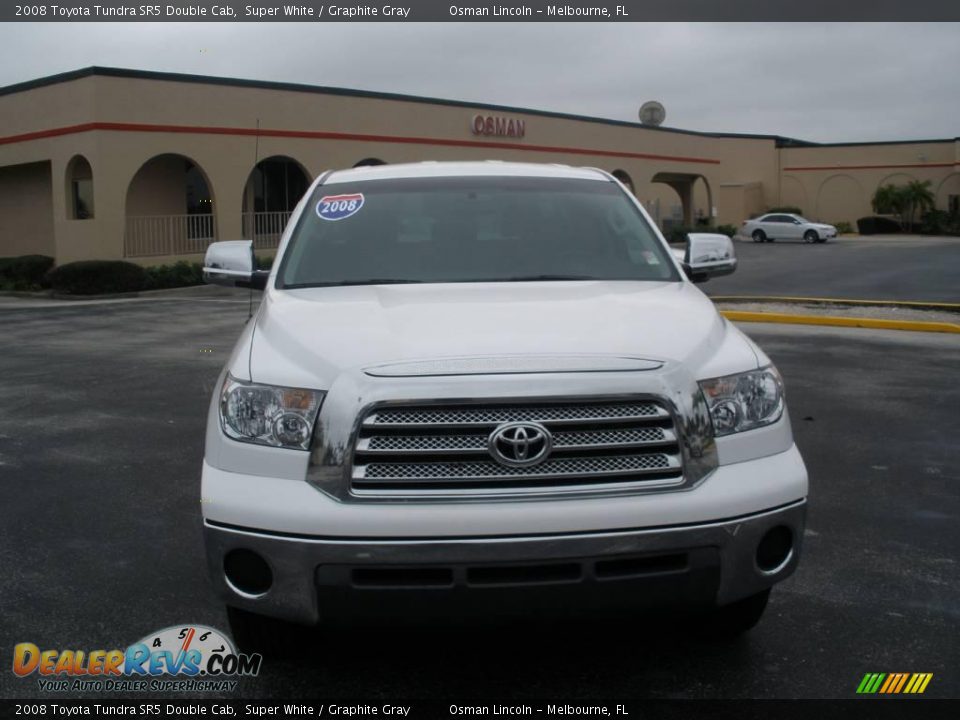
x=339 y=283
x=530 y=278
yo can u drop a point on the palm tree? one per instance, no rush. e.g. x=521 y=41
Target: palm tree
x=888 y=200
x=917 y=196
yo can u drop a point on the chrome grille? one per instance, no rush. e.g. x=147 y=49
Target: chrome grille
x=420 y=450
x=469 y=470
x=468 y=415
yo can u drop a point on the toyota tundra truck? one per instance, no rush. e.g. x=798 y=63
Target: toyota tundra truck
x=492 y=383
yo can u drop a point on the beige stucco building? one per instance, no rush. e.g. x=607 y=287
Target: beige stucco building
x=106 y=163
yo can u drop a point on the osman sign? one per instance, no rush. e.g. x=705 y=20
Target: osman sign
x=498 y=126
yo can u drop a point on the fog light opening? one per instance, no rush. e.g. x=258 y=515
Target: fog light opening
x=775 y=550
x=247 y=573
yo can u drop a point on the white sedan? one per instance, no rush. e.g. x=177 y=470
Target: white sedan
x=781 y=226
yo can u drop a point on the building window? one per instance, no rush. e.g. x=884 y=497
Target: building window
x=82 y=199
x=80 y=189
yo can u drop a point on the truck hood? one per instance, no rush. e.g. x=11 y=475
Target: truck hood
x=307 y=337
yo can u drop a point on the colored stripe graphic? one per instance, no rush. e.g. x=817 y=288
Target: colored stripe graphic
x=894 y=683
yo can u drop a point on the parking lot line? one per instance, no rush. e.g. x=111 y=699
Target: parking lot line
x=873 y=323
x=918 y=304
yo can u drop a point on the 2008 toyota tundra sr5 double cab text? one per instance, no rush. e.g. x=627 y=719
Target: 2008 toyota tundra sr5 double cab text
x=492 y=381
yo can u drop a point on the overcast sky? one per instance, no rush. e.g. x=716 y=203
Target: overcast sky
x=824 y=82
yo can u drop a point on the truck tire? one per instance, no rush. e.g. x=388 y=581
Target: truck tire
x=729 y=622
x=268 y=636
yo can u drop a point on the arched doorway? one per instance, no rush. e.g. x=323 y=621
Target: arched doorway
x=273 y=189
x=169 y=208
x=696 y=199
x=370 y=162
x=79 y=189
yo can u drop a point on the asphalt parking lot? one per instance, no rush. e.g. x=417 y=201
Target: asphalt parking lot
x=888 y=267
x=102 y=411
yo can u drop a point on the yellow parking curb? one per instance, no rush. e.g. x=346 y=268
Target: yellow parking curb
x=830 y=320
x=835 y=301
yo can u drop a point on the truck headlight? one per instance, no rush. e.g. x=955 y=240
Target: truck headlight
x=744 y=401
x=267 y=414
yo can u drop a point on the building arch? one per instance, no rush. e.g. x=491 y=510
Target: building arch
x=624 y=177
x=840 y=198
x=272 y=191
x=370 y=162
x=79 y=189
x=948 y=193
x=169 y=208
x=793 y=193
x=897 y=178
x=690 y=187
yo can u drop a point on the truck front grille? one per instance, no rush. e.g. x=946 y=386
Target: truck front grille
x=445 y=449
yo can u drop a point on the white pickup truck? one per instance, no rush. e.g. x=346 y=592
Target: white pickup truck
x=491 y=382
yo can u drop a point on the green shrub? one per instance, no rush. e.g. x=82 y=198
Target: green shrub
x=878 y=226
x=728 y=230
x=939 y=222
x=25 y=272
x=843 y=227
x=264 y=262
x=93 y=277
x=677 y=235
x=788 y=209
x=180 y=274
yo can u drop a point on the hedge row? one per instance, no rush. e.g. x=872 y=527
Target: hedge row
x=877 y=226
x=26 y=272
x=94 y=277
x=939 y=222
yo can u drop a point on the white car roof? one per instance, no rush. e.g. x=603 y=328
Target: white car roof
x=487 y=168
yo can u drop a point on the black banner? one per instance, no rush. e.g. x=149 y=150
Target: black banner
x=480 y=11
x=887 y=709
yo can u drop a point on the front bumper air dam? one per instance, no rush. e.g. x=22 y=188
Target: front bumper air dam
x=721 y=560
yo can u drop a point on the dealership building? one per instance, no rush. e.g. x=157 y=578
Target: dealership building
x=103 y=163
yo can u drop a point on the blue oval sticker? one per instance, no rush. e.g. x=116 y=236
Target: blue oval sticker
x=339 y=207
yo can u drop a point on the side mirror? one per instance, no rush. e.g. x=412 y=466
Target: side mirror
x=231 y=263
x=708 y=255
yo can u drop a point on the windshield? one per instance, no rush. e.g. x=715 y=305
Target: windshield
x=471 y=229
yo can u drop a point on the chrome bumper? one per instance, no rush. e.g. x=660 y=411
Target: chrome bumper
x=720 y=563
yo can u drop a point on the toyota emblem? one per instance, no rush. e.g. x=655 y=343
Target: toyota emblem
x=520 y=444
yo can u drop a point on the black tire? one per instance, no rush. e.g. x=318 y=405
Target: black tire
x=811 y=236
x=731 y=621
x=759 y=236
x=268 y=636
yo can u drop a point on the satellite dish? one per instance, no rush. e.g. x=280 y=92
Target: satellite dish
x=652 y=113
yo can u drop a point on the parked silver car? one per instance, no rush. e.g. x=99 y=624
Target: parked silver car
x=784 y=226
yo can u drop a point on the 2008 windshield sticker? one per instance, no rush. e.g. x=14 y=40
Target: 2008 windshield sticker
x=339 y=207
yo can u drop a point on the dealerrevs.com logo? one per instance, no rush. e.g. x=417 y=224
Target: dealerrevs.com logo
x=187 y=658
